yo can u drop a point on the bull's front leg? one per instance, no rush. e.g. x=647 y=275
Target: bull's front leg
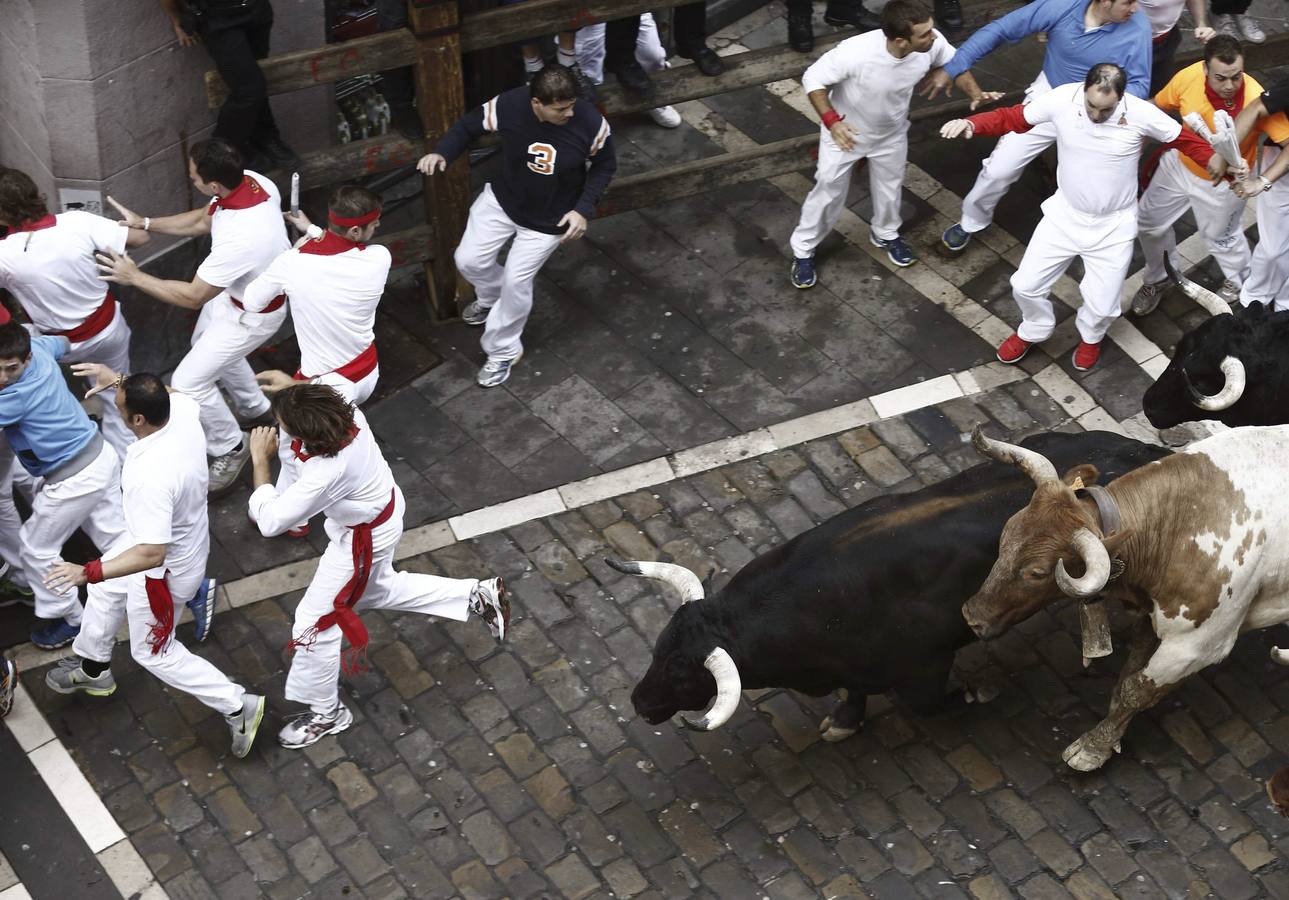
x=846 y=718
x=1133 y=692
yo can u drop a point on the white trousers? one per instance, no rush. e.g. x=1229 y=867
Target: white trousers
x=223 y=338
x=824 y=204
x=117 y=599
x=10 y=521
x=506 y=290
x=111 y=347
x=1011 y=155
x=315 y=670
x=1218 y=212
x=90 y=499
x=589 y=47
x=1105 y=246
x=1268 y=279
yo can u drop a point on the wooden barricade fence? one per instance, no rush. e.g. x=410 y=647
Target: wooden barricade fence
x=437 y=37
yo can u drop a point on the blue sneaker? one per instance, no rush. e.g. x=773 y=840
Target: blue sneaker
x=54 y=634
x=495 y=371
x=956 y=237
x=803 y=273
x=898 y=251
x=203 y=608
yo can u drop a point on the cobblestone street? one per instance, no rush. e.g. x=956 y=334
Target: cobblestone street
x=521 y=771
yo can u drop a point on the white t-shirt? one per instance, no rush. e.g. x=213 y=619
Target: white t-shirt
x=1163 y=14
x=351 y=488
x=1096 y=169
x=244 y=241
x=333 y=298
x=163 y=488
x=868 y=85
x=52 y=273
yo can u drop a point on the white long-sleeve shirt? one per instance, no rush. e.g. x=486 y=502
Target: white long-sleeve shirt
x=868 y=85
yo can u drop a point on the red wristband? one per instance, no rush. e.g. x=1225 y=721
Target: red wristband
x=831 y=118
x=94 y=571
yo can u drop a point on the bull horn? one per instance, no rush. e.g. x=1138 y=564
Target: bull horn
x=1033 y=464
x=1215 y=305
x=1095 y=558
x=729 y=688
x=683 y=580
x=1232 y=388
x=1280 y=656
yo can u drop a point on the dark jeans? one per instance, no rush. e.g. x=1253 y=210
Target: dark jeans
x=688 y=32
x=1162 y=65
x=236 y=40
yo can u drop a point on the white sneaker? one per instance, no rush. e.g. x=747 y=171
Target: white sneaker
x=1250 y=28
x=244 y=725
x=225 y=469
x=308 y=728
x=475 y=314
x=489 y=602
x=1229 y=291
x=667 y=117
x=1224 y=23
x=496 y=371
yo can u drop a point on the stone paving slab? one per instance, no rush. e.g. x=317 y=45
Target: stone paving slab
x=521 y=771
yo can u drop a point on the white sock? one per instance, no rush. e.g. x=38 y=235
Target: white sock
x=536 y=64
x=567 y=58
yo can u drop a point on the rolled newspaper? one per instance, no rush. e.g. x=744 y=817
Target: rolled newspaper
x=295 y=193
x=1223 y=142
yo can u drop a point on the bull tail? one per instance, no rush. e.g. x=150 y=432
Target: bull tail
x=1280 y=656
x=683 y=580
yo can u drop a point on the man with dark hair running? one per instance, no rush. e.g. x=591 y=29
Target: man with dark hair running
x=246 y=231
x=557 y=161
x=344 y=475
x=162 y=558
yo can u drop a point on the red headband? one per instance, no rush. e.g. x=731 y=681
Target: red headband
x=352 y=221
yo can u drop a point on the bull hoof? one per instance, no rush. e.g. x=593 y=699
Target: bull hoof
x=981 y=694
x=1085 y=756
x=833 y=733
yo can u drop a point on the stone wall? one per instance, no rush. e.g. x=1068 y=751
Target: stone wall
x=100 y=97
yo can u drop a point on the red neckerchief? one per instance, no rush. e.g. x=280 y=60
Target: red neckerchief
x=330 y=244
x=297 y=447
x=45 y=221
x=244 y=196
x=1232 y=106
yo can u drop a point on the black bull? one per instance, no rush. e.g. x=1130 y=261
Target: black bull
x=869 y=601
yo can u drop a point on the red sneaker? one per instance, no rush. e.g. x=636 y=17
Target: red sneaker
x=1013 y=350
x=302 y=531
x=1086 y=355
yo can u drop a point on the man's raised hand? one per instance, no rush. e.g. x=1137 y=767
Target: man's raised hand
x=986 y=97
x=128 y=219
x=263 y=443
x=102 y=375
x=956 y=128
x=116 y=267
x=934 y=83
x=273 y=380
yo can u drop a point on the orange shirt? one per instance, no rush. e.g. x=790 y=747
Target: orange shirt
x=1185 y=94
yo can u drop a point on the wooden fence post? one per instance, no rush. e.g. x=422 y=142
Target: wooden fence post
x=440 y=100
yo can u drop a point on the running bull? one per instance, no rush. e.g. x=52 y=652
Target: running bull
x=869 y=601
x=1199 y=551
x=1232 y=367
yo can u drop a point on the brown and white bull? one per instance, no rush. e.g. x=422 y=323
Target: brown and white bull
x=1202 y=551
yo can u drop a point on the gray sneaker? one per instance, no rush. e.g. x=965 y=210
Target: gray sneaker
x=1229 y=291
x=1148 y=297
x=489 y=602
x=475 y=314
x=69 y=677
x=246 y=723
x=496 y=371
x=308 y=728
x=224 y=470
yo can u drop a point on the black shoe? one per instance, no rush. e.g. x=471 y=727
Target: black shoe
x=707 y=61
x=801 y=32
x=632 y=76
x=851 y=15
x=585 y=86
x=280 y=155
x=949 y=14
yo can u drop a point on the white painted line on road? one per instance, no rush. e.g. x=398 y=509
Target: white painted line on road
x=615 y=484
x=75 y=795
x=823 y=423
x=15 y=892
x=721 y=453
x=506 y=515
x=918 y=395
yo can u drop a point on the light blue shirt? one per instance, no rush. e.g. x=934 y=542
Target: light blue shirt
x=1072 y=49
x=42 y=419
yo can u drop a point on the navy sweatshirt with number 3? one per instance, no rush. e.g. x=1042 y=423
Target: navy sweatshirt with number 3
x=544 y=170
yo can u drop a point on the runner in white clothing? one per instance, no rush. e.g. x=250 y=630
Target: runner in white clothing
x=162 y=558
x=47 y=263
x=861 y=89
x=344 y=475
x=334 y=280
x=246 y=230
x=1100 y=132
